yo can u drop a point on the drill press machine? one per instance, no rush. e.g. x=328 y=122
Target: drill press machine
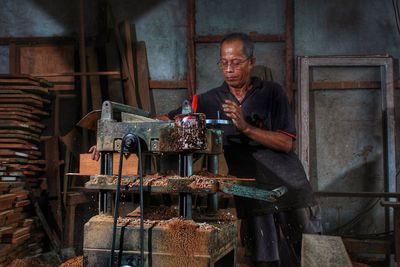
x=128 y=130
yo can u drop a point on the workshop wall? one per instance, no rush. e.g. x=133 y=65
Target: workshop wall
x=346 y=125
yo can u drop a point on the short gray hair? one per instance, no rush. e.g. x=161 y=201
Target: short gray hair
x=248 y=44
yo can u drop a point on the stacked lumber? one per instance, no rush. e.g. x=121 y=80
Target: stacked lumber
x=20 y=232
x=22 y=103
x=23 y=100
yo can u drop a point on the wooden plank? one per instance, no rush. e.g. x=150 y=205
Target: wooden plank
x=160 y=84
x=19 y=113
x=367 y=246
x=320 y=250
x=37 y=40
x=17 y=146
x=128 y=66
x=289 y=49
x=88 y=73
x=29 y=80
x=191 y=46
x=38 y=59
x=87 y=166
x=22 y=137
x=23 y=108
x=8 y=94
x=256 y=37
x=13 y=56
x=32 y=102
x=325 y=85
x=94 y=81
x=143 y=77
x=27 y=108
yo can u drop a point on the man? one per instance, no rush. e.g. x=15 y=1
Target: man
x=259 y=144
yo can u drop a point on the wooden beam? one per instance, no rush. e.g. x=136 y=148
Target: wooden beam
x=324 y=85
x=256 y=37
x=36 y=40
x=130 y=92
x=191 y=47
x=90 y=73
x=143 y=77
x=13 y=58
x=159 y=84
x=82 y=61
x=289 y=44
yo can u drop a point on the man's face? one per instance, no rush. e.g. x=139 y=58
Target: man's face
x=234 y=64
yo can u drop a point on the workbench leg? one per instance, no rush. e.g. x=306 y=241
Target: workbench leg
x=71 y=224
x=397 y=236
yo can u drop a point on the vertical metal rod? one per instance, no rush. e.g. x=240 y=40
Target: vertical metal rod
x=185 y=199
x=105 y=197
x=212 y=199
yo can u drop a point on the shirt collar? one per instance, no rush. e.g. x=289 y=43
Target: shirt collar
x=255 y=81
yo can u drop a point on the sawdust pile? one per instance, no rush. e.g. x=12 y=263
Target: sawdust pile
x=74 y=262
x=28 y=262
x=183 y=241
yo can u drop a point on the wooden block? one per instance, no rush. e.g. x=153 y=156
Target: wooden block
x=22 y=203
x=87 y=166
x=321 y=250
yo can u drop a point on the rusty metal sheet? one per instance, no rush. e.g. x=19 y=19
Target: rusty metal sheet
x=89 y=121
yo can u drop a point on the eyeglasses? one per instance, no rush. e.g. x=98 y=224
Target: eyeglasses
x=235 y=64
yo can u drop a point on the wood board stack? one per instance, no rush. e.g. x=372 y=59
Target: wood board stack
x=22 y=103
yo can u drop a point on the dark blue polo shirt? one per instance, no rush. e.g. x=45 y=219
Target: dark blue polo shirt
x=264 y=106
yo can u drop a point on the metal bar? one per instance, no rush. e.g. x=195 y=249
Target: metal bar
x=256 y=37
x=303 y=113
x=389 y=133
x=289 y=44
x=191 y=47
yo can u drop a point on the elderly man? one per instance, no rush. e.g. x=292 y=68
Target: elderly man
x=259 y=144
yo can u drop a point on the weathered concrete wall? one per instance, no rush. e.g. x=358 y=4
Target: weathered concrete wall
x=347 y=124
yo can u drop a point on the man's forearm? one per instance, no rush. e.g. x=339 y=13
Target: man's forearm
x=273 y=140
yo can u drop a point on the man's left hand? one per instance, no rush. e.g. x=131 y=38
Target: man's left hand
x=235 y=113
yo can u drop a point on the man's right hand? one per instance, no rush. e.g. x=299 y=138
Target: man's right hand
x=95 y=153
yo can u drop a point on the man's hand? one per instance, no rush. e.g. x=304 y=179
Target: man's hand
x=235 y=113
x=95 y=153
